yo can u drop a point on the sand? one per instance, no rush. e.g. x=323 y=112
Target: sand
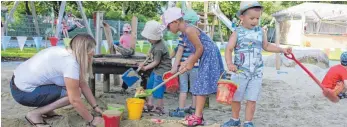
x=287 y=100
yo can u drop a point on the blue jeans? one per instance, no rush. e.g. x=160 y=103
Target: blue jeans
x=41 y=96
x=153 y=81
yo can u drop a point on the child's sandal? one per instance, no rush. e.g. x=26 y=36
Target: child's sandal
x=159 y=111
x=193 y=120
x=148 y=108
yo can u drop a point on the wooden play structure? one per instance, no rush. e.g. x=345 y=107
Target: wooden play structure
x=316 y=25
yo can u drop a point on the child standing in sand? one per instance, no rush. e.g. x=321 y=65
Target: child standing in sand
x=247 y=42
x=161 y=62
x=203 y=49
x=182 y=54
x=337 y=76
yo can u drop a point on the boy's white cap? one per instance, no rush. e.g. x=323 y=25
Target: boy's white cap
x=152 y=30
x=244 y=5
x=126 y=27
x=170 y=15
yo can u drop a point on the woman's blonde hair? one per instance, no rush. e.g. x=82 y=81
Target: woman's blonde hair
x=81 y=45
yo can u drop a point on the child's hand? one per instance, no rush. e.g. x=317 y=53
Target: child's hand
x=232 y=67
x=287 y=50
x=174 y=70
x=141 y=65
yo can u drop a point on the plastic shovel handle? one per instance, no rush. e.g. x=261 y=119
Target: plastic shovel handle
x=291 y=56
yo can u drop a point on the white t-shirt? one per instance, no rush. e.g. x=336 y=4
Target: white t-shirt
x=49 y=66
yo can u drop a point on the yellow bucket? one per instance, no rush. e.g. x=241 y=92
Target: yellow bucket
x=135 y=107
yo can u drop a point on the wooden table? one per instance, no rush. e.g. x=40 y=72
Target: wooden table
x=113 y=64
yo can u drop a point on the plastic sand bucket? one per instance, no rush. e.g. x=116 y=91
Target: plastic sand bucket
x=135 y=107
x=226 y=90
x=117 y=107
x=111 y=118
x=130 y=77
x=53 y=41
x=172 y=85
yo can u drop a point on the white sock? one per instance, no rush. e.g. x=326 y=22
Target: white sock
x=235 y=119
x=247 y=121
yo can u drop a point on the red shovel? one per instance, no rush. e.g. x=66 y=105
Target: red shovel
x=330 y=94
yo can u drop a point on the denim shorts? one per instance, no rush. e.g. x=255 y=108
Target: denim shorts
x=249 y=88
x=153 y=81
x=187 y=76
x=41 y=96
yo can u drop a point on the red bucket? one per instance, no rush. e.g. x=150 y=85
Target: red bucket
x=111 y=119
x=53 y=40
x=225 y=92
x=173 y=85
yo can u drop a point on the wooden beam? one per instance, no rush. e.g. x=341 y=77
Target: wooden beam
x=35 y=18
x=134 y=31
x=205 y=14
x=80 y=8
x=9 y=17
x=278 y=36
x=60 y=18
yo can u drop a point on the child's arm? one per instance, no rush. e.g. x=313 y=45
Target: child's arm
x=157 y=58
x=270 y=47
x=194 y=38
x=178 y=57
x=229 y=51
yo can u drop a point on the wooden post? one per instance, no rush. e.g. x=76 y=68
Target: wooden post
x=106 y=82
x=9 y=17
x=92 y=84
x=205 y=15
x=277 y=41
x=134 y=31
x=98 y=31
x=80 y=8
x=60 y=18
x=35 y=18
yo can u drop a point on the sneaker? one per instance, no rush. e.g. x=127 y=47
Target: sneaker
x=177 y=113
x=232 y=123
x=342 y=95
x=250 y=124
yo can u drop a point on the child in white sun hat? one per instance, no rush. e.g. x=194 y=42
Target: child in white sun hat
x=247 y=42
x=203 y=49
x=160 y=63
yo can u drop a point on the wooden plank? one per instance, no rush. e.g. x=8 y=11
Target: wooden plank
x=109 y=38
x=33 y=10
x=134 y=31
x=205 y=14
x=277 y=42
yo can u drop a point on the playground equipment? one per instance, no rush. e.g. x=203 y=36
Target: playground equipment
x=60 y=17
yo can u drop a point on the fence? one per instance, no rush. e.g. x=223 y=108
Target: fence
x=23 y=25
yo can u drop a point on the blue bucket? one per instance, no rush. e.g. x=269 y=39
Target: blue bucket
x=130 y=80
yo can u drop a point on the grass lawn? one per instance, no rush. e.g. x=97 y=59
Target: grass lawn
x=29 y=52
